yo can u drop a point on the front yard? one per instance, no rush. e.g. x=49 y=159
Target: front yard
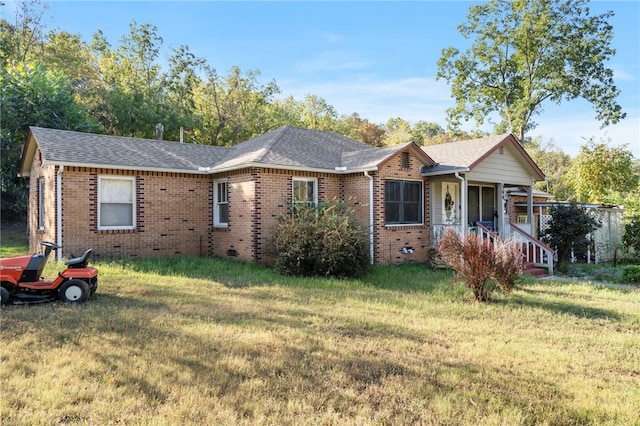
x=206 y=341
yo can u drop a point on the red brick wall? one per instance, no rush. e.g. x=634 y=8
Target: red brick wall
x=389 y=240
x=173 y=215
x=174 y=212
x=48 y=173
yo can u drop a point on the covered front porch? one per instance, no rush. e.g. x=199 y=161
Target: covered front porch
x=473 y=188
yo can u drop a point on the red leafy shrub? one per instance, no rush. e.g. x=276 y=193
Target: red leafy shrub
x=507 y=264
x=477 y=261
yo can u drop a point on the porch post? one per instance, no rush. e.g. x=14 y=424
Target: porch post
x=500 y=209
x=530 y=206
x=463 y=202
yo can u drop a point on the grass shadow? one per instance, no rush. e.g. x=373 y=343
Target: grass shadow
x=540 y=299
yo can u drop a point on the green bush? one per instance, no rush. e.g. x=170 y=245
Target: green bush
x=631 y=273
x=323 y=241
x=568 y=232
x=631 y=238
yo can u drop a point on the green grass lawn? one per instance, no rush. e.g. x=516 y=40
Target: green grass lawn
x=207 y=341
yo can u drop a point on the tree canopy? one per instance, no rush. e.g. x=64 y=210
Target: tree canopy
x=599 y=171
x=528 y=52
x=125 y=88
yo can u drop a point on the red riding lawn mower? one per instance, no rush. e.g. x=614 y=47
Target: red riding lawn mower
x=22 y=281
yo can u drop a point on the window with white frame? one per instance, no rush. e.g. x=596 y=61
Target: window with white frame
x=403 y=202
x=116 y=202
x=41 y=203
x=220 y=203
x=305 y=191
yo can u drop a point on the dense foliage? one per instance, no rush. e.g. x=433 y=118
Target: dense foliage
x=31 y=96
x=323 y=241
x=477 y=260
x=631 y=238
x=599 y=171
x=56 y=79
x=526 y=53
x=631 y=273
x=568 y=231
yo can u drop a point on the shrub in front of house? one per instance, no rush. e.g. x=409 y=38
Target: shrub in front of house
x=481 y=264
x=507 y=266
x=631 y=274
x=326 y=240
x=631 y=238
x=567 y=233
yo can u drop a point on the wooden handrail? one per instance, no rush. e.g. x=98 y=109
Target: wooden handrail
x=540 y=249
x=489 y=233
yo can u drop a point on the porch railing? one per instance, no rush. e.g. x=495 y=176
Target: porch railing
x=534 y=251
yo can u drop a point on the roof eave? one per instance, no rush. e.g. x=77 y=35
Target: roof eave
x=28 y=153
x=338 y=170
x=124 y=167
x=447 y=172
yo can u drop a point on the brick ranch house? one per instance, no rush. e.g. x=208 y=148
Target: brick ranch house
x=129 y=197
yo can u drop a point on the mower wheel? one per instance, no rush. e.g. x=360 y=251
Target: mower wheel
x=74 y=291
x=5 y=297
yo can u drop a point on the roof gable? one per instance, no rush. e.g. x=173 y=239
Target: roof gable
x=467 y=155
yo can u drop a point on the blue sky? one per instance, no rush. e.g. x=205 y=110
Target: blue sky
x=371 y=57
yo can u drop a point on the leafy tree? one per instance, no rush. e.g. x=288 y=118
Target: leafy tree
x=31 y=96
x=316 y=113
x=525 y=53
x=398 y=131
x=181 y=85
x=362 y=130
x=423 y=132
x=599 y=170
x=68 y=54
x=23 y=40
x=233 y=108
x=132 y=82
x=568 y=231
x=555 y=164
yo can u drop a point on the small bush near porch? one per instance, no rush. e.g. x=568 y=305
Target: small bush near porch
x=480 y=263
x=210 y=341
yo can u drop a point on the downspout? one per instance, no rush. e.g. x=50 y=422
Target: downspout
x=59 y=212
x=371 y=248
x=463 y=202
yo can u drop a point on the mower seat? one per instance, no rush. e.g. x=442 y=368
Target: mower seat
x=79 y=262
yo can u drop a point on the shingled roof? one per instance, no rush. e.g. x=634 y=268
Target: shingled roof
x=287 y=147
x=65 y=147
x=464 y=156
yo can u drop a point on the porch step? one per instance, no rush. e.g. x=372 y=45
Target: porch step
x=534 y=271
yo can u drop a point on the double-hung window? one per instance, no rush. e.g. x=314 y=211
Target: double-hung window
x=116 y=202
x=403 y=202
x=220 y=203
x=305 y=192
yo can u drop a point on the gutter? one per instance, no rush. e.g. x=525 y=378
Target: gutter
x=463 y=202
x=59 y=212
x=371 y=246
